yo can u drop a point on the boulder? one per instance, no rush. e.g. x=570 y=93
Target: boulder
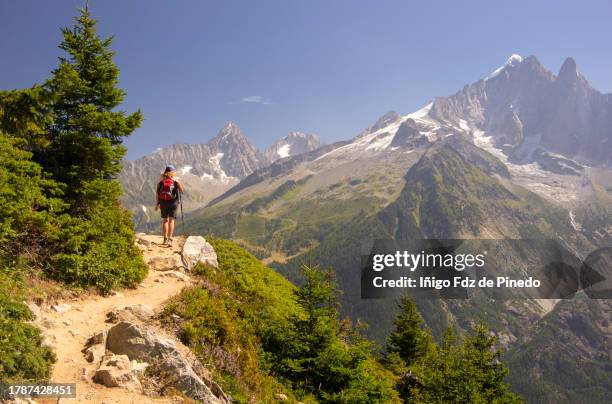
x=143 y=242
x=117 y=371
x=187 y=381
x=197 y=250
x=134 y=312
x=49 y=323
x=166 y=262
x=138 y=342
x=49 y=339
x=23 y=400
x=209 y=256
x=94 y=353
x=97 y=338
x=139 y=367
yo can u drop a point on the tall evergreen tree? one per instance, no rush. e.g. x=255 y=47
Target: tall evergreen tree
x=87 y=131
x=322 y=356
x=408 y=340
x=316 y=332
x=467 y=372
x=84 y=154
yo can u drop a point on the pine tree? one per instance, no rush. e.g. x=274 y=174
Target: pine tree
x=323 y=356
x=408 y=340
x=86 y=132
x=84 y=155
x=467 y=372
x=317 y=330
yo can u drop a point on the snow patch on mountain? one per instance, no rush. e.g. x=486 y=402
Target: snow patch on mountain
x=513 y=60
x=219 y=174
x=284 y=151
x=573 y=222
x=186 y=170
x=531 y=175
x=380 y=139
x=293 y=144
x=420 y=114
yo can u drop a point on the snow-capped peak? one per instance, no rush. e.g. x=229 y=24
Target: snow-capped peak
x=291 y=145
x=513 y=60
x=380 y=136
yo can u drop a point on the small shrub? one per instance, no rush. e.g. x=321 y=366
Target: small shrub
x=22 y=355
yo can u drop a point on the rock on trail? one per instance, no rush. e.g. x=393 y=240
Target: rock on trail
x=91 y=337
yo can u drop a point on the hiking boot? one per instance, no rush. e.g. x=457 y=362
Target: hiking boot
x=169 y=242
x=165 y=241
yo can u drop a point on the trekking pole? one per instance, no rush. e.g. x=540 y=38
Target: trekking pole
x=182 y=217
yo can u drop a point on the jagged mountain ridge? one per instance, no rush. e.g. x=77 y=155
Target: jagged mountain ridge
x=239 y=158
x=515 y=113
x=207 y=169
x=525 y=107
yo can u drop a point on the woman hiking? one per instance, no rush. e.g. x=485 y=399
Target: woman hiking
x=169 y=190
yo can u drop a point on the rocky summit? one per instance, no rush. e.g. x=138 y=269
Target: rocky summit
x=295 y=143
x=207 y=169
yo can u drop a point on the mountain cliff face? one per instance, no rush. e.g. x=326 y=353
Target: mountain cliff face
x=239 y=158
x=526 y=107
x=208 y=170
x=293 y=144
x=522 y=153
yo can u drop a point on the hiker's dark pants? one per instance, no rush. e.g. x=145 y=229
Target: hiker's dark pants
x=168 y=208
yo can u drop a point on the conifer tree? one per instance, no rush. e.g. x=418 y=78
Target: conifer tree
x=87 y=131
x=408 y=339
x=467 y=372
x=323 y=356
x=84 y=155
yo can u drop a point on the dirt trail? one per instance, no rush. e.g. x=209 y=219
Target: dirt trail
x=68 y=331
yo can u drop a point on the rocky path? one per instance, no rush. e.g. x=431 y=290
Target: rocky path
x=69 y=324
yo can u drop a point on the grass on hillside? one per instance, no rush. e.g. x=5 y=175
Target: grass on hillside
x=223 y=318
x=240 y=321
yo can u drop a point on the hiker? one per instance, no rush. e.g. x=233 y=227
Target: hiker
x=169 y=189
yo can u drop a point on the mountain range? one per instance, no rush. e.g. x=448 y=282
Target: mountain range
x=523 y=153
x=207 y=169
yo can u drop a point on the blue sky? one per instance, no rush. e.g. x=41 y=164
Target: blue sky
x=328 y=67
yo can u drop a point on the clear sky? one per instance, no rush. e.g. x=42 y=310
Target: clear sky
x=328 y=67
